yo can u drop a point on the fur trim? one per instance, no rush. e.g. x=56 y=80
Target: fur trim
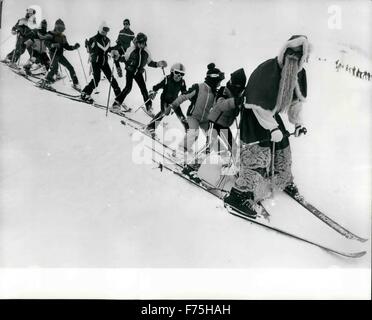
x=300 y=41
x=295 y=113
x=264 y=117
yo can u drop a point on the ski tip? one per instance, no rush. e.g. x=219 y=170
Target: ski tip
x=356 y=254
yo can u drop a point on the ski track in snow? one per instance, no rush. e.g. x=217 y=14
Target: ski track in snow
x=71 y=195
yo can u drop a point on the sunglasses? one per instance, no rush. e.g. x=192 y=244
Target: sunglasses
x=178 y=73
x=126 y=24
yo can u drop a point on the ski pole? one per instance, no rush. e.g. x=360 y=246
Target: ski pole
x=141 y=106
x=82 y=66
x=302 y=130
x=108 y=98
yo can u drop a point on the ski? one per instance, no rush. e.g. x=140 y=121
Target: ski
x=140 y=127
x=262 y=215
x=31 y=78
x=240 y=214
x=327 y=220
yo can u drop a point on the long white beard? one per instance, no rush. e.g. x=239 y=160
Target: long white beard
x=287 y=84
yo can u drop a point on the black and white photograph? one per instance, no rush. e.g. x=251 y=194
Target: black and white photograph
x=185 y=149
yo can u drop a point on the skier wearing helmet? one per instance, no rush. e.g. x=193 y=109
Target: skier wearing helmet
x=172 y=85
x=136 y=58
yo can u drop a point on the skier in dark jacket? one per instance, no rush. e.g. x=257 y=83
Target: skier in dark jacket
x=136 y=58
x=56 y=42
x=23 y=32
x=172 y=85
x=125 y=38
x=276 y=86
x=36 y=44
x=98 y=48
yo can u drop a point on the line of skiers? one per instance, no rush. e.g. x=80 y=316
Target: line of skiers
x=277 y=86
x=356 y=72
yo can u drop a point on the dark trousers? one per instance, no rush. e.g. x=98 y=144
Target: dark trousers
x=60 y=59
x=105 y=68
x=138 y=77
x=225 y=134
x=160 y=115
x=121 y=59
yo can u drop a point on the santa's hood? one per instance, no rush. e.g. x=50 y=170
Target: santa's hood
x=296 y=41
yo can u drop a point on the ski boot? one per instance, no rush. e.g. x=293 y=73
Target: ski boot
x=150 y=131
x=44 y=83
x=117 y=107
x=86 y=97
x=149 y=110
x=292 y=189
x=192 y=172
x=242 y=201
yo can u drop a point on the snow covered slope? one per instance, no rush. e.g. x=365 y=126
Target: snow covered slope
x=71 y=196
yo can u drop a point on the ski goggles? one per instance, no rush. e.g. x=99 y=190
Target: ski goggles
x=179 y=73
x=106 y=29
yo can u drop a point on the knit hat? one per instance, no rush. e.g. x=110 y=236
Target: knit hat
x=126 y=21
x=140 y=38
x=59 y=25
x=237 y=82
x=103 y=27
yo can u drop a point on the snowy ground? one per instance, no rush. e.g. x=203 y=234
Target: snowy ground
x=71 y=195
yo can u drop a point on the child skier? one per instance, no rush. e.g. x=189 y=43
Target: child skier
x=136 y=58
x=125 y=37
x=38 y=48
x=224 y=112
x=202 y=97
x=23 y=31
x=56 y=42
x=171 y=85
x=98 y=48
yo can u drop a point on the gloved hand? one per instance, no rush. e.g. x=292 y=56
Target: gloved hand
x=76 y=46
x=299 y=129
x=152 y=94
x=162 y=64
x=55 y=45
x=276 y=135
x=115 y=54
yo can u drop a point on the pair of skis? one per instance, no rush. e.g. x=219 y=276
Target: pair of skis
x=263 y=214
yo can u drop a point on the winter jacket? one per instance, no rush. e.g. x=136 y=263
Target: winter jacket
x=171 y=89
x=37 y=40
x=137 y=58
x=124 y=39
x=258 y=116
x=23 y=31
x=53 y=38
x=225 y=110
x=98 y=48
x=202 y=97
